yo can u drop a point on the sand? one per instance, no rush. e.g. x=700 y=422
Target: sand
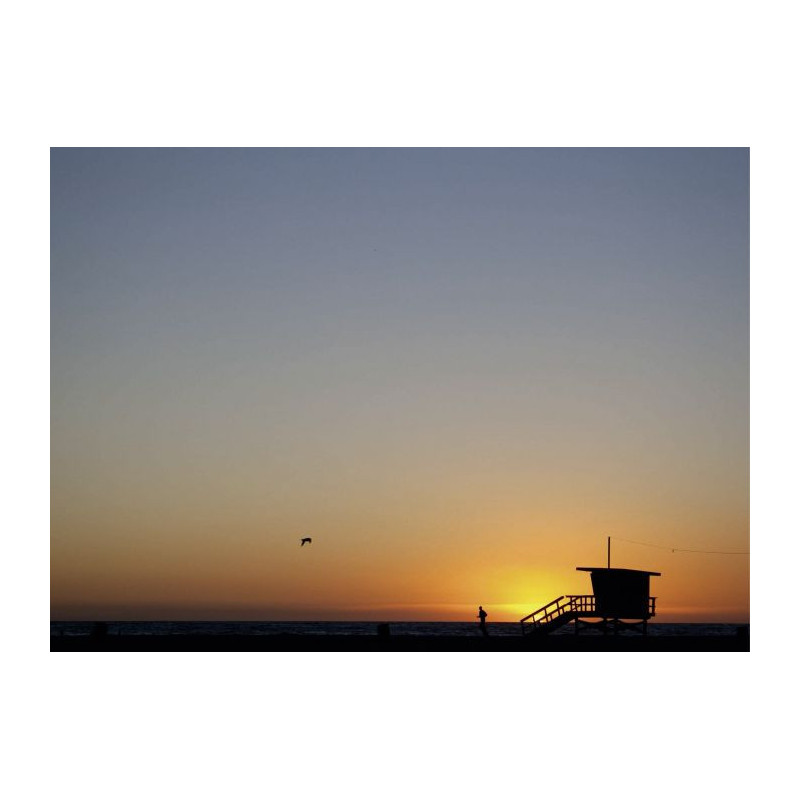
x=434 y=644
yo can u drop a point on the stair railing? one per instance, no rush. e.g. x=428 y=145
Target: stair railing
x=545 y=614
x=572 y=605
x=582 y=603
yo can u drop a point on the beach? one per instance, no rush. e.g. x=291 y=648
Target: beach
x=434 y=644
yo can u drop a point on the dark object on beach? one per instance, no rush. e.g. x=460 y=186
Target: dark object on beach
x=482 y=624
x=99 y=629
x=304 y=540
x=383 y=629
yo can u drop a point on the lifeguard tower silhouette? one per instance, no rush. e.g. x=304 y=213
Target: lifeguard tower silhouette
x=621 y=601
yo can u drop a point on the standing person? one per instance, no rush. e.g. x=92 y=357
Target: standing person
x=482 y=617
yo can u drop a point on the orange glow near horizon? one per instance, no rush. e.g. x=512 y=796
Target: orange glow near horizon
x=360 y=578
x=419 y=554
x=424 y=549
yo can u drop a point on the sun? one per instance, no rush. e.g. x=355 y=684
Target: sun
x=521 y=593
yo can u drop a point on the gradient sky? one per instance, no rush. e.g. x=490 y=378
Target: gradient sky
x=458 y=370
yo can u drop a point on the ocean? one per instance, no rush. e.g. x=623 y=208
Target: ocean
x=363 y=629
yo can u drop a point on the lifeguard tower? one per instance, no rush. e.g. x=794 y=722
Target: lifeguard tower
x=621 y=601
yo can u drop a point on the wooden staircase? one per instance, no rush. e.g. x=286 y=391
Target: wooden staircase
x=564 y=609
x=556 y=613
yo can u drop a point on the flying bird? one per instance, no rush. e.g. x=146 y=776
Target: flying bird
x=304 y=540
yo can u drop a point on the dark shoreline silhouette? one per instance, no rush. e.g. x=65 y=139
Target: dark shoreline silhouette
x=286 y=642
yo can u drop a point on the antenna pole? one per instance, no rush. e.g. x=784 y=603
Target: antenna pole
x=609 y=552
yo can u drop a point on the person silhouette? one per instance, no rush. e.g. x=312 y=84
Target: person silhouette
x=482 y=624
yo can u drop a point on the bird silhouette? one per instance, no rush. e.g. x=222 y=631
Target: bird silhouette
x=304 y=540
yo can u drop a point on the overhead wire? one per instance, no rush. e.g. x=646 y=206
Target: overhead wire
x=683 y=549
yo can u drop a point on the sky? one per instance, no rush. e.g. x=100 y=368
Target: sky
x=458 y=370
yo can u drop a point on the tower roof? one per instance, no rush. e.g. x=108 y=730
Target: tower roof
x=616 y=569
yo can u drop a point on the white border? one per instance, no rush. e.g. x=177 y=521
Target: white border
x=355 y=74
